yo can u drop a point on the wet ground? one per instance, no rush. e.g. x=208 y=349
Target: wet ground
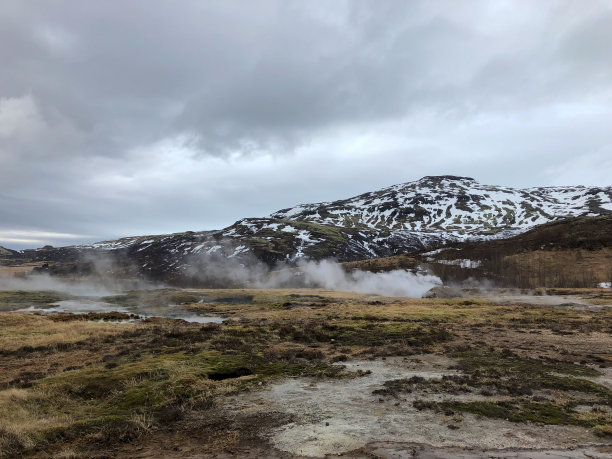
x=338 y=417
x=94 y=305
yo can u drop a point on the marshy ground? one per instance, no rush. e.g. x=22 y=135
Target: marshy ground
x=307 y=373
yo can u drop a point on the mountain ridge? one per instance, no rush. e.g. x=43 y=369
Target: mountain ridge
x=402 y=218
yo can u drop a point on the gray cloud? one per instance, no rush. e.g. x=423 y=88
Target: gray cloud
x=137 y=117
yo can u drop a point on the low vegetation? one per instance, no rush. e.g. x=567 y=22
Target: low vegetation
x=96 y=384
x=16 y=299
x=522 y=410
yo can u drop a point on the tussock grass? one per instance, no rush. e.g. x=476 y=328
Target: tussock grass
x=75 y=386
x=21 y=331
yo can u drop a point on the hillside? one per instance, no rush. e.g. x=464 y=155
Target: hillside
x=458 y=207
x=4 y=252
x=401 y=219
x=576 y=252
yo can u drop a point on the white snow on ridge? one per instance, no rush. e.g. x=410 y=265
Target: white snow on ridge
x=304 y=235
x=435 y=252
x=214 y=248
x=238 y=250
x=424 y=213
x=607 y=206
x=457 y=207
x=288 y=229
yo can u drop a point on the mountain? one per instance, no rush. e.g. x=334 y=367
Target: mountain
x=399 y=219
x=4 y=252
x=458 y=207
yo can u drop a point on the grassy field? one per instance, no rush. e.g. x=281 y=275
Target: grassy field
x=96 y=386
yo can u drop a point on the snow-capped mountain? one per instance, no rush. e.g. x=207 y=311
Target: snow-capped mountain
x=458 y=207
x=398 y=219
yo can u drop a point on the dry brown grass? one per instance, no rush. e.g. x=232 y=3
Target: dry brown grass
x=566 y=267
x=23 y=413
x=382 y=264
x=20 y=330
x=10 y=271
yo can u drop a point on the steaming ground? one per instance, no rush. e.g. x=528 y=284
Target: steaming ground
x=329 y=275
x=82 y=287
x=301 y=371
x=325 y=274
x=87 y=295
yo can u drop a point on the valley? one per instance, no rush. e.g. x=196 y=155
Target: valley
x=290 y=229
x=439 y=318
x=307 y=373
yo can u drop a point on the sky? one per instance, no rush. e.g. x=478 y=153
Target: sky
x=122 y=118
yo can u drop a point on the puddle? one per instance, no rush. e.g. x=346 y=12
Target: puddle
x=87 y=305
x=238 y=299
x=191 y=317
x=337 y=416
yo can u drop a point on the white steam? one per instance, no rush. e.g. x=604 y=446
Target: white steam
x=46 y=282
x=330 y=275
x=103 y=276
x=106 y=278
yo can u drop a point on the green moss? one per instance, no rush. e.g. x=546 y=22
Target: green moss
x=517 y=375
x=156 y=381
x=523 y=411
x=20 y=298
x=573 y=384
x=509 y=363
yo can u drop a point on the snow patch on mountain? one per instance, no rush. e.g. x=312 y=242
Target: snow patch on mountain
x=457 y=207
x=399 y=219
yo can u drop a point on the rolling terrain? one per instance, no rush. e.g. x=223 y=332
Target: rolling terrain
x=402 y=219
x=118 y=369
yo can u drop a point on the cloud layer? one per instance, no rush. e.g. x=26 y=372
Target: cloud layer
x=121 y=118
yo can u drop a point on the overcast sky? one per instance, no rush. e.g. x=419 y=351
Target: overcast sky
x=134 y=117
